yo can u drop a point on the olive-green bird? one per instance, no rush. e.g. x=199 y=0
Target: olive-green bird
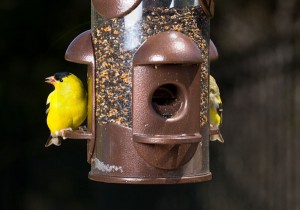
x=66 y=105
x=215 y=110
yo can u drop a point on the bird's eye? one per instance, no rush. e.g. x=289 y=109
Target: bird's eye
x=61 y=80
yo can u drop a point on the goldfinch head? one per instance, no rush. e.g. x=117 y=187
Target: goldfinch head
x=64 y=80
x=214 y=92
x=57 y=78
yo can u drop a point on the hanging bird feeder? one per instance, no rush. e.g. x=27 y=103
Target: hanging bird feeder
x=148 y=75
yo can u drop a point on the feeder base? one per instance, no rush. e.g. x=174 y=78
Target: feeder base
x=158 y=180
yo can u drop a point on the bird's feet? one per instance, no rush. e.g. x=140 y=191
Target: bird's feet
x=62 y=132
x=82 y=128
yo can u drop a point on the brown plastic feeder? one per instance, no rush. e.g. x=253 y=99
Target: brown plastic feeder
x=148 y=68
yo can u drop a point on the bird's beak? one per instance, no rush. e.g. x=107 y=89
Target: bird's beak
x=50 y=80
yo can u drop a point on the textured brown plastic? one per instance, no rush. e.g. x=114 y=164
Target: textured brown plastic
x=213 y=52
x=169 y=47
x=115 y=8
x=182 y=128
x=208 y=7
x=81 y=51
x=170 y=100
x=129 y=167
x=77 y=134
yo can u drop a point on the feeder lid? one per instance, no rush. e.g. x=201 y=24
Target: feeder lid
x=169 y=47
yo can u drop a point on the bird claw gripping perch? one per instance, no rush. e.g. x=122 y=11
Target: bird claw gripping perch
x=83 y=128
x=64 y=131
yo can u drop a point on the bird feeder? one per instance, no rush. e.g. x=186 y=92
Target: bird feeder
x=148 y=73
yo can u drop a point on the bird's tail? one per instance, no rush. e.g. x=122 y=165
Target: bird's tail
x=56 y=140
x=215 y=135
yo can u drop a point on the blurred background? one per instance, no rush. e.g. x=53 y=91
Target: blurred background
x=258 y=73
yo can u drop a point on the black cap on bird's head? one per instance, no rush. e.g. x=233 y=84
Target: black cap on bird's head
x=60 y=75
x=57 y=77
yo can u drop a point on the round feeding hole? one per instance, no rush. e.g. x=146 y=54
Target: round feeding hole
x=167 y=100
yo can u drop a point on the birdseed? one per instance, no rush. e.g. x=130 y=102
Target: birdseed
x=114 y=56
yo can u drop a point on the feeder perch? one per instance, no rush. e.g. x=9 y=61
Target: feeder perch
x=148 y=75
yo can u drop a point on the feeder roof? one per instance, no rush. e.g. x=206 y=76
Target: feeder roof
x=115 y=8
x=169 y=47
x=213 y=52
x=81 y=49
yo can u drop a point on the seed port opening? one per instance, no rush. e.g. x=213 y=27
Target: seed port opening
x=167 y=100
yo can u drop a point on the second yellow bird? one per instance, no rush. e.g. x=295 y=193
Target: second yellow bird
x=215 y=110
x=67 y=105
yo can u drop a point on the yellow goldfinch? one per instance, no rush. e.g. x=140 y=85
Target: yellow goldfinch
x=66 y=105
x=215 y=110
